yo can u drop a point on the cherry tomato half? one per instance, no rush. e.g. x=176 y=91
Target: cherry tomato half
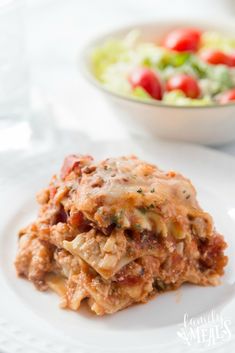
x=185 y=83
x=216 y=57
x=183 y=40
x=227 y=96
x=148 y=80
x=232 y=58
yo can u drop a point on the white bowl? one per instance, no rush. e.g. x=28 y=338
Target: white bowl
x=209 y=125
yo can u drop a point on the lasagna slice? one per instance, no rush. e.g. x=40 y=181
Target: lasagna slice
x=116 y=232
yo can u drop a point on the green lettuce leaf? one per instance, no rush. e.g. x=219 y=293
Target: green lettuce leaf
x=177 y=97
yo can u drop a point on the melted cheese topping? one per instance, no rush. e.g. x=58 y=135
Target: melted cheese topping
x=127 y=191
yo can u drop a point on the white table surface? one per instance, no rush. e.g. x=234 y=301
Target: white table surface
x=56 y=31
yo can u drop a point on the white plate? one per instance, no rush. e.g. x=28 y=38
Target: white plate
x=31 y=321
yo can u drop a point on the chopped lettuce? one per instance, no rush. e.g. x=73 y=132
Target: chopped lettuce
x=177 y=97
x=140 y=93
x=115 y=78
x=215 y=40
x=221 y=78
x=149 y=55
x=173 y=59
x=110 y=53
x=114 y=51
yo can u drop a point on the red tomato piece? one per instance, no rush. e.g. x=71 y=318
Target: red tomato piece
x=52 y=191
x=184 y=83
x=148 y=80
x=70 y=163
x=232 y=58
x=217 y=57
x=227 y=96
x=76 y=218
x=185 y=39
x=129 y=280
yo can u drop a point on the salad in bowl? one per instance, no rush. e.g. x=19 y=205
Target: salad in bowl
x=187 y=66
x=171 y=79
